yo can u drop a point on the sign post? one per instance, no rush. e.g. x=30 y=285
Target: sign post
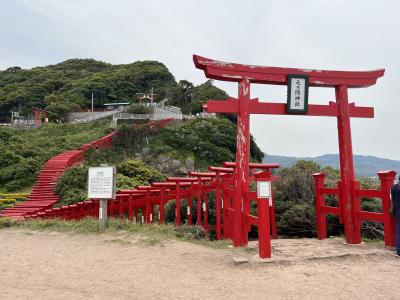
x=102 y=215
x=101 y=186
x=263 y=180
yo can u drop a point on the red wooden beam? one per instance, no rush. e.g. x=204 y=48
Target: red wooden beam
x=371 y=216
x=227 y=71
x=331 y=110
x=221 y=169
x=181 y=179
x=330 y=210
x=232 y=164
x=202 y=174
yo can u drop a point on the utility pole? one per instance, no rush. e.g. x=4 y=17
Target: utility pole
x=151 y=96
x=92 y=102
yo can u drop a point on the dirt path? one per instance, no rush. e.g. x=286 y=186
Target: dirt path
x=48 y=265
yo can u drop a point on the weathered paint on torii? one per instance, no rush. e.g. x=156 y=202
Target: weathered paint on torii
x=243 y=106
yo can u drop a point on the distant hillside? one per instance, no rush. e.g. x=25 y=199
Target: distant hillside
x=70 y=85
x=365 y=166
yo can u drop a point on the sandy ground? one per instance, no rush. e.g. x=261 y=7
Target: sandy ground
x=49 y=265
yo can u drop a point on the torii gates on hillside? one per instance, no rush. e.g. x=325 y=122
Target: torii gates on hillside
x=243 y=106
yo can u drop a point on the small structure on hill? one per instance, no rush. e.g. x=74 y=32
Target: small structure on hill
x=146 y=97
x=40 y=116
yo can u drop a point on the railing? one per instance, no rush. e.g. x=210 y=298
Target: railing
x=386 y=179
x=95 y=116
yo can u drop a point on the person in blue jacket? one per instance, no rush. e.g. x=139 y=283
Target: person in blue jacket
x=395 y=192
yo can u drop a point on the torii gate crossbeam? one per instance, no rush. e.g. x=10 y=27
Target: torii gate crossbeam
x=243 y=106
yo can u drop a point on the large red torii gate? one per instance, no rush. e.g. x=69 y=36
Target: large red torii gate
x=243 y=106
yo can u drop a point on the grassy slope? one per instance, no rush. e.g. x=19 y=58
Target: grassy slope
x=23 y=153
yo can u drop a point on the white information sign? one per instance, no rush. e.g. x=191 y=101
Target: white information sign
x=297 y=94
x=263 y=189
x=101 y=183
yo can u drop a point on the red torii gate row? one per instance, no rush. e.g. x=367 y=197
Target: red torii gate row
x=243 y=106
x=195 y=190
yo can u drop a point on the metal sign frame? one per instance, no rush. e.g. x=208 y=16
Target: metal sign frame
x=110 y=169
x=264 y=189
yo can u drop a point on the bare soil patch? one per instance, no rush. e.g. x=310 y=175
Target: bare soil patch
x=51 y=265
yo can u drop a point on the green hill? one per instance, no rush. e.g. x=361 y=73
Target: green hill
x=70 y=84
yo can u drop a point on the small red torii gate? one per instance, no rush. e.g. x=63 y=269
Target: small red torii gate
x=243 y=106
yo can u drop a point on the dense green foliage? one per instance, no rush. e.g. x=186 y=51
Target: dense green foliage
x=70 y=85
x=209 y=141
x=191 y=98
x=24 y=152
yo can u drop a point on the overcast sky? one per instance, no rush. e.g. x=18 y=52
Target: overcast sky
x=338 y=35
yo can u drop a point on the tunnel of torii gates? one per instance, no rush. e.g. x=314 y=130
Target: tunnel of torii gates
x=348 y=189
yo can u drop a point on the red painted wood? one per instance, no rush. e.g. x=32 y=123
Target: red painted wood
x=274 y=75
x=182 y=179
x=319 y=204
x=330 y=210
x=243 y=159
x=330 y=110
x=221 y=169
x=252 y=220
x=202 y=174
x=352 y=227
x=369 y=193
x=218 y=205
x=232 y=164
x=264 y=238
x=329 y=191
x=387 y=180
x=371 y=216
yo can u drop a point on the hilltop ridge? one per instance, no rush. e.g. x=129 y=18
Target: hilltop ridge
x=364 y=165
x=70 y=84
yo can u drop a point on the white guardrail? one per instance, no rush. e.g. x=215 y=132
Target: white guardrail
x=95 y=116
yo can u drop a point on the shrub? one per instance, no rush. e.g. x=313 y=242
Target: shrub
x=72 y=196
x=130 y=136
x=137 y=170
x=125 y=182
x=74 y=179
x=72 y=186
x=137 y=108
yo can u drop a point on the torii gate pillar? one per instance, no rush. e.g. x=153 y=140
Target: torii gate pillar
x=352 y=227
x=243 y=160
